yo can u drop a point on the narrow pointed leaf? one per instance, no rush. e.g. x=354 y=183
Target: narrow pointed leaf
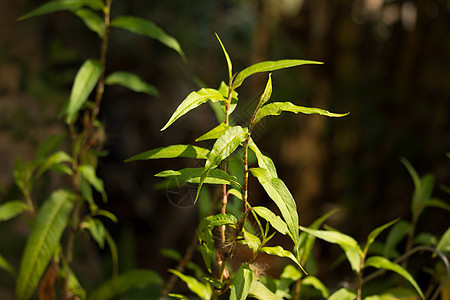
x=214 y=133
x=59 y=5
x=173 y=151
x=88 y=173
x=251 y=240
x=343 y=294
x=444 y=243
x=131 y=81
x=347 y=243
x=84 y=83
x=193 y=175
x=130 y=280
x=317 y=284
x=438 y=203
x=193 y=100
x=4 y=264
x=396 y=234
x=227 y=57
x=148 y=28
x=266 y=94
x=374 y=233
x=276 y=108
x=54 y=159
x=274 y=220
x=200 y=289
x=92 y=21
x=96 y=229
x=223 y=147
x=380 y=262
x=268 y=66
x=43 y=241
x=279 y=251
x=241 y=283
x=279 y=193
x=264 y=161
x=261 y=292
x=224 y=90
x=11 y=209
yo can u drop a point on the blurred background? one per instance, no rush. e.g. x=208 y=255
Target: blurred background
x=386 y=62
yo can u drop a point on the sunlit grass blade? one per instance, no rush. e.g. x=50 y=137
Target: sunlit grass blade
x=193 y=100
x=148 y=28
x=11 y=209
x=92 y=21
x=43 y=241
x=84 y=83
x=279 y=193
x=187 y=151
x=380 y=262
x=241 y=283
x=59 y=5
x=130 y=280
x=268 y=66
x=276 y=108
x=131 y=81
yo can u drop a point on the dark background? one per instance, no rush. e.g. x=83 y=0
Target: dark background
x=386 y=62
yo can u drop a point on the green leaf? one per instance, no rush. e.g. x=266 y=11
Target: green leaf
x=173 y=151
x=130 y=280
x=227 y=57
x=224 y=90
x=343 y=294
x=268 y=66
x=266 y=94
x=88 y=173
x=108 y=214
x=261 y=292
x=11 y=209
x=148 y=28
x=114 y=256
x=264 y=161
x=131 y=81
x=374 y=233
x=272 y=218
x=347 y=243
x=214 y=133
x=279 y=251
x=394 y=294
x=178 y=296
x=438 y=203
x=241 y=283
x=97 y=230
x=193 y=100
x=54 y=159
x=317 y=284
x=380 y=262
x=202 y=290
x=59 y=5
x=396 y=234
x=444 y=243
x=92 y=21
x=251 y=240
x=276 y=108
x=222 y=148
x=84 y=83
x=6 y=266
x=279 y=193
x=193 y=175
x=43 y=241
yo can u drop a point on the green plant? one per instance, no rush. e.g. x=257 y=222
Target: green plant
x=73 y=209
x=219 y=234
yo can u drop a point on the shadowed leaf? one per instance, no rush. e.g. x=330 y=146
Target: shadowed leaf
x=92 y=21
x=131 y=81
x=59 y=5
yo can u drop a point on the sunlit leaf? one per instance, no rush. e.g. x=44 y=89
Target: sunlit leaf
x=84 y=83
x=173 y=151
x=227 y=57
x=347 y=243
x=279 y=251
x=268 y=66
x=266 y=94
x=224 y=90
x=96 y=229
x=108 y=214
x=193 y=175
x=374 y=233
x=222 y=148
x=251 y=240
x=276 y=108
x=444 y=243
x=147 y=28
x=88 y=173
x=43 y=241
x=92 y=21
x=131 y=81
x=261 y=292
x=343 y=294
x=264 y=161
x=279 y=193
x=272 y=218
x=54 y=159
x=193 y=100
x=11 y=209
x=59 y=5
x=200 y=289
x=317 y=284
x=380 y=262
x=4 y=264
x=130 y=280
x=214 y=133
x=241 y=283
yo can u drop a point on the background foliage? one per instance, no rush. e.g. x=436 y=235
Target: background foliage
x=386 y=62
